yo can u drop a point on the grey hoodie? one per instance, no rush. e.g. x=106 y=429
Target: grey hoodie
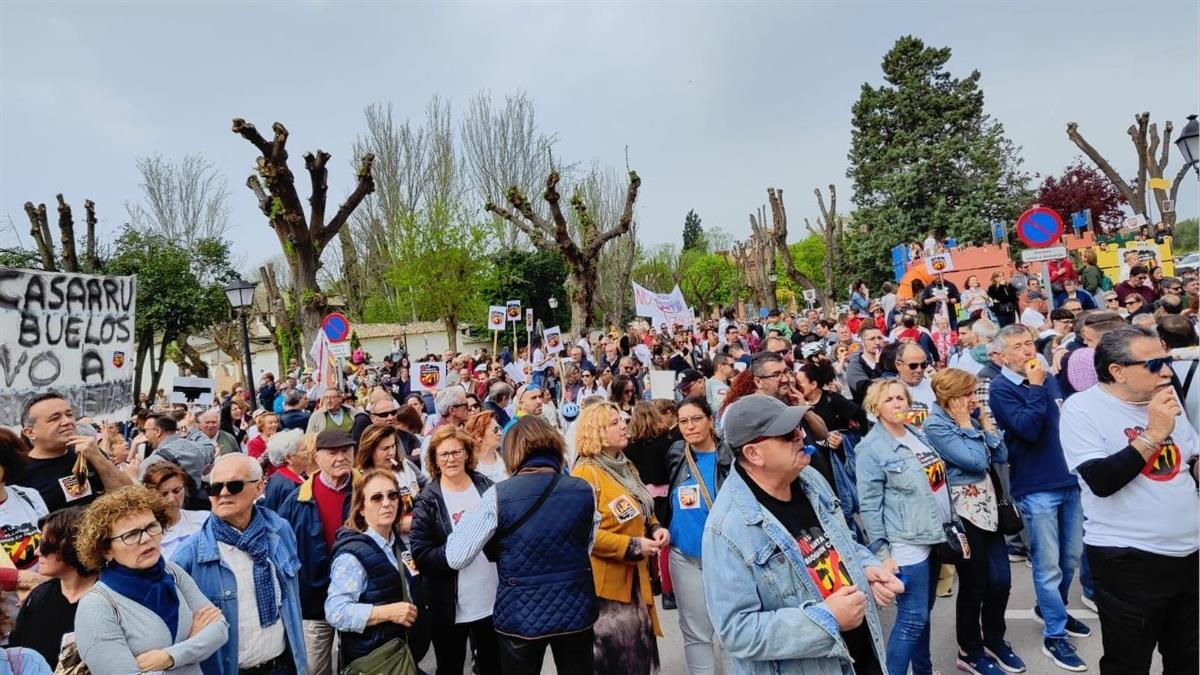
x=195 y=459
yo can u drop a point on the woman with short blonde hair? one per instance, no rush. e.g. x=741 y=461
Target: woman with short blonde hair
x=142 y=605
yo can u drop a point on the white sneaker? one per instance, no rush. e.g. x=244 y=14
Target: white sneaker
x=1089 y=603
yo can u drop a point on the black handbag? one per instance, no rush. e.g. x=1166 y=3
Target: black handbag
x=1009 y=519
x=955 y=549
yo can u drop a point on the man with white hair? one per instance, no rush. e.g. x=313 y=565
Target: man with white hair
x=251 y=551
x=208 y=432
x=331 y=413
x=451 y=406
x=975 y=347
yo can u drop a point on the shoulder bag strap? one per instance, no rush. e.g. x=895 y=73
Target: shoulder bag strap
x=687 y=453
x=533 y=509
x=1187 y=382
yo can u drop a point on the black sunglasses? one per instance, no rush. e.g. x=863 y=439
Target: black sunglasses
x=388 y=413
x=1152 y=365
x=1133 y=301
x=391 y=495
x=235 y=487
x=915 y=366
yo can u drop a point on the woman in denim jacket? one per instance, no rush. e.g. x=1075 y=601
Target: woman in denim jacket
x=904 y=502
x=969 y=444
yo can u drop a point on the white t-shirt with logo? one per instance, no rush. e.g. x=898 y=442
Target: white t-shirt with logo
x=1154 y=512
x=477 y=582
x=923 y=399
x=935 y=473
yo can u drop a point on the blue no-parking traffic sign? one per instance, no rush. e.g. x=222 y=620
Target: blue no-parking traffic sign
x=336 y=327
x=1039 y=227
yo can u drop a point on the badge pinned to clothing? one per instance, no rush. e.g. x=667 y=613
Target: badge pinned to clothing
x=624 y=509
x=689 y=497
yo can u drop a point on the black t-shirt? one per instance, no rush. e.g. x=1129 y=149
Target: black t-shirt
x=52 y=478
x=824 y=562
x=43 y=621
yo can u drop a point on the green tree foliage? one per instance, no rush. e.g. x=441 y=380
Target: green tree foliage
x=707 y=279
x=925 y=156
x=20 y=258
x=180 y=291
x=809 y=255
x=531 y=276
x=693 y=233
x=1186 y=233
x=658 y=268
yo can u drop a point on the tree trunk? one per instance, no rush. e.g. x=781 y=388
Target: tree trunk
x=189 y=358
x=779 y=230
x=145 y=343
x=451 y=332
x=156 y=367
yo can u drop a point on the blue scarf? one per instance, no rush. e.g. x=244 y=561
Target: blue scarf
x=152 y=588
x=542 y=461
x=254 y=542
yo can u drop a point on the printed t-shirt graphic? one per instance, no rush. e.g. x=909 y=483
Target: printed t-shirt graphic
x=824 y=564
x=1164 y=465
x=935 y=469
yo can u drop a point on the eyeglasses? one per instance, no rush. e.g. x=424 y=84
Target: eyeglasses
x=1133 y=301
x=472 y=407
x=453 y=454
x=1152 y=365
x=458 y=405
x=134 y=537
x=771 y=375
x=689 y=421
x=390 y=495
x=918 y=365
x=387 y=413
x=235 y=487
x=1112 y=300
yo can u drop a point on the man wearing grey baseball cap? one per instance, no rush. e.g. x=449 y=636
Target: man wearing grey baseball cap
x=784 y=580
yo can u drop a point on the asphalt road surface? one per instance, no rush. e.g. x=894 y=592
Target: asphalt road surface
x=1024 y=632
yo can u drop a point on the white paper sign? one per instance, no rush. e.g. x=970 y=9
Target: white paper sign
x=193 y=390
x=68 y=333
x=514 y=310
x=496 y=317
x=552 y=340
x=428 y=375
x=939 y=263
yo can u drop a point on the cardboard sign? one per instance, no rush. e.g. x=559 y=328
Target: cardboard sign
x=496 y=317
x=514 y=310
x=427 y=375
x=528 y=319
x=67 y=333
x=552 y=340
x=1135 y=222
x=193 y=390
x=810 y=295
x=939 y=263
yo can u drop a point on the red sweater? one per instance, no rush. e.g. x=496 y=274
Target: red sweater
x=329 y=508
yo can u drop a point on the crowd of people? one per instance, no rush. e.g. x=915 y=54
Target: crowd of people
x=803 y=472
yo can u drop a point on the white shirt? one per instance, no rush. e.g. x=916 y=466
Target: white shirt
x=1033 y=318
x=964 y=361
x=189 y=523
x=910 y=554
x=256 y=645
x=477 y=581
x=923 y=399
x=1156 y=511
x=495 y=471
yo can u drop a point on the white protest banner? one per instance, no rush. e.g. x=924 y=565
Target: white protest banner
x=552 y=338
x=427 y=375
x=515 y=371
x=193 y=390
x=662 y=307
x=514 y=310
x=939 y=263
x=496 y=317
x=662 y=384
x=67 y=333
x=326 y=374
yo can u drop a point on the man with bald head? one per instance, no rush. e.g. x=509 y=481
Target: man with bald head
x=208 y=432
x=252 y=550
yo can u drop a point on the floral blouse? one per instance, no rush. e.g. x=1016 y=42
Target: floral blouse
x=976 y=502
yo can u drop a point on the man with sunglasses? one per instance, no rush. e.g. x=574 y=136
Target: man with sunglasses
x=316 y=510
x=451 y=406
x=911 y=364
x=244 y=560
x=1135 y=454
x=1025 y=402
x=793 y=591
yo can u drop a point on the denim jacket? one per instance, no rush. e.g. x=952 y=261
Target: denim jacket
x=199 y=556
x=894 y=498
x=766 y=608
x=966 y=452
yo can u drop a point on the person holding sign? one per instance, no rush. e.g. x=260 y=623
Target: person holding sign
x=65 y=467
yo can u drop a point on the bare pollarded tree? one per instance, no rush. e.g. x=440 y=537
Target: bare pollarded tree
x=68 y=260
x=503 y=148
x=779 y=231
x=184 y=202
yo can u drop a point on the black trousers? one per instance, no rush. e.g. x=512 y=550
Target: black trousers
x=572 y=654
x=983 y=586
x=450 y=647
x=1146 y=600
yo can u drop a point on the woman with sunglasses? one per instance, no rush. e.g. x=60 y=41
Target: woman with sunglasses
x=460 y=600
x=589 y=386
x=370 y=598
x=904 y=502
x=144 y=614
x=484 y=428
x=170 y=481
x=623 y=396
x=49 y=612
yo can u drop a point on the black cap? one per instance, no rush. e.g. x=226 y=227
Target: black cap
x=334 y=438
x=687 y=377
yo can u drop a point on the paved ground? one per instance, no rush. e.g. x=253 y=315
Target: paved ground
x=1024 y=632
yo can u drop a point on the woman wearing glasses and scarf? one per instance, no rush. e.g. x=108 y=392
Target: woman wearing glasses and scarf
x=144 y=614
x=370 y=599
x=629 y=535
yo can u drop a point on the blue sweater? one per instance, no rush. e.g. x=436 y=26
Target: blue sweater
x=1029 y=417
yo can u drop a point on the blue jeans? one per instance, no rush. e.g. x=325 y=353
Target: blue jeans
x=1054 y=520
x=909 y=640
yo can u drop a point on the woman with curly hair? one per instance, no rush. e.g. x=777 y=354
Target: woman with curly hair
x=629 y=534
x=144 y=613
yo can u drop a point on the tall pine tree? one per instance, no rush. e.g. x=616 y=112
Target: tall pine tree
x=693 y=233
x=925 y=156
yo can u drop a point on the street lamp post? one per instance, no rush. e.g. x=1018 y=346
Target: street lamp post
x=241 y=297
x=1189 y=143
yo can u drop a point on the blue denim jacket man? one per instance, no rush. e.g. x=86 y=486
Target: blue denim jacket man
x=200 y=556
x=766 y=606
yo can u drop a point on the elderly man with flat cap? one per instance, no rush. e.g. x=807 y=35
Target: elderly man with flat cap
x=315 y=510
x=788 y=589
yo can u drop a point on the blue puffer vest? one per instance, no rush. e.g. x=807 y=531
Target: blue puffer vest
x=385 y=585
x=544 y=565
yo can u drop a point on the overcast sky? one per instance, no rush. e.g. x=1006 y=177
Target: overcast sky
x=715 y=101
